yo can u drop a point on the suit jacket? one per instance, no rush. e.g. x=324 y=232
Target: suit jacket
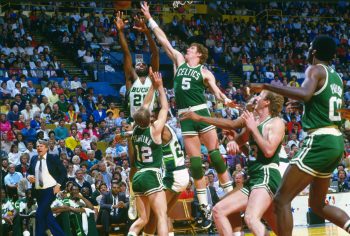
x=107 y=201
x=54 y=165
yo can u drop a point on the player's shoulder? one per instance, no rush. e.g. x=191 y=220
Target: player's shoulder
x=317 y=70
x=276 y=122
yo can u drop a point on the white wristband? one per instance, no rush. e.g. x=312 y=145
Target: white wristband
x=152 y=24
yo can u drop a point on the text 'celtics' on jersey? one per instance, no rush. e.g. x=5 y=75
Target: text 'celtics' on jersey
x=189 y=86
x=148 y=153
x=321 y=110
x=138 y=93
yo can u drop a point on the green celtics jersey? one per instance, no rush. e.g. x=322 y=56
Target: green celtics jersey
x=321 y=110
x=173 y=155
x=148 y=153
x=189 y=86
x=138 y=93
x=256 y=157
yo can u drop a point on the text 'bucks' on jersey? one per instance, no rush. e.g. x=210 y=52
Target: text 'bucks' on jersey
x=173 y=155
x=321 y=110
x=189 y=86
x=138 y=93
x=257 y=158
x=148 y=153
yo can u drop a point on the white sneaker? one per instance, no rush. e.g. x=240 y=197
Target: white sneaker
x=132 y=212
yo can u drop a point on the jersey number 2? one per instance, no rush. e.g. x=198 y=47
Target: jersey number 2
x=146 y=154
x=334 y=104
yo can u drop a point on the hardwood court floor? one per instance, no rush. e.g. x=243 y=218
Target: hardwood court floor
x=321 y=230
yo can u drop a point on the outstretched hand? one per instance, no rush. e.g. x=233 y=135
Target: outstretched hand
x=145 y=10
x=118 y=21
x=189 y=115
x=256 y=87
x=156 y=78
x=140 y=25
x=250 y=121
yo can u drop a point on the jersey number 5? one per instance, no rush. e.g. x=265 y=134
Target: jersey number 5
x=334 y=104
x=146 y=154
x=186 y=83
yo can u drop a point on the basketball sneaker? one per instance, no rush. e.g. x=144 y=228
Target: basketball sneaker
x=132 y=212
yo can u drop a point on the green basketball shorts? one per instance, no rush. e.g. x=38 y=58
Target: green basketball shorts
x=320 y=153
x=190 y=127
x=269 y=178
x=147 y=181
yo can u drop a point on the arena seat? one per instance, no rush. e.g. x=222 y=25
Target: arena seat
x=182 y=211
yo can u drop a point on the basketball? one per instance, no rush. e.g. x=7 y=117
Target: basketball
x=122 y=5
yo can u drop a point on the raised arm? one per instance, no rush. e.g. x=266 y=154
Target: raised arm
x=174 y=55
x=313 y=75
x=130 y=74
x=210 y=82
x=141 y=27
x=218 y=122
x=163 y=113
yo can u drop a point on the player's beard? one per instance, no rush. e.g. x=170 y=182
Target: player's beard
x=142 y=73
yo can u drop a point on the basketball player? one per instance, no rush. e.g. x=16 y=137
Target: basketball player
x=137 y=80
x=176 y=177
x=322 y=94
x=265 y=136
x=147 y=158
x=190 y=81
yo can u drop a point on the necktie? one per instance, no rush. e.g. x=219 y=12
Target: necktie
x=114 y=203
x=41 y=182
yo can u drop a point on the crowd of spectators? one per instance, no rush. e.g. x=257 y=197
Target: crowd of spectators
x=85 y=131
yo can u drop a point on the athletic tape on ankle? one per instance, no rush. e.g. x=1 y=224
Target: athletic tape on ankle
x=347 y=226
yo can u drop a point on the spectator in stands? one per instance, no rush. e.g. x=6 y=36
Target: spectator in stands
x=100 y=113
x=29 y=132
x=61 y=132
x=46 y=114
x=62 y=103
x=86 y=141
x=343 y=184
x=38 y=95
x=238 y=179
x=92 y=130
x=11 y=181
x=53 y=98
x=11 y=83
x=24 y=164
x=89 y=104
x=5 y=125
x=73 y=141
x=65 y=84
x=56 y=114
x=28 y=112
x=4 y=91
x=98 y=152
x=13 y=115
x=63 y=149
x=19 y=102
x=31 y=150
x=120 y=119
x=113 y=207
x=80 y=181
x=75 y=84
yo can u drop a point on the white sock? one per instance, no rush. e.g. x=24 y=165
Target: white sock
x=227 y=187
x=202 y=196
x=132 y=233
x=146 y=234
x=131 y=191
x=347 y=226
x=236 y=233
x=171 y=234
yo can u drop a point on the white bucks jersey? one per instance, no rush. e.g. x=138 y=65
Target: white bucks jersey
x=138 y=93
x=173 y=155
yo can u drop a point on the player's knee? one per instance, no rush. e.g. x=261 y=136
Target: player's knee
x=250 y=220
x=196 y=167
x=216 y=212
x=278 y=201
x=317 y=207
x=217 y=161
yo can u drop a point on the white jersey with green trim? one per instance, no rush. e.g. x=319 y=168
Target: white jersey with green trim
x=173 y=155
x=138 y=93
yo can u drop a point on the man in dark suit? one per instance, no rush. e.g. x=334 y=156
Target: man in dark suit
x=47 y=174
x=114 y=207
